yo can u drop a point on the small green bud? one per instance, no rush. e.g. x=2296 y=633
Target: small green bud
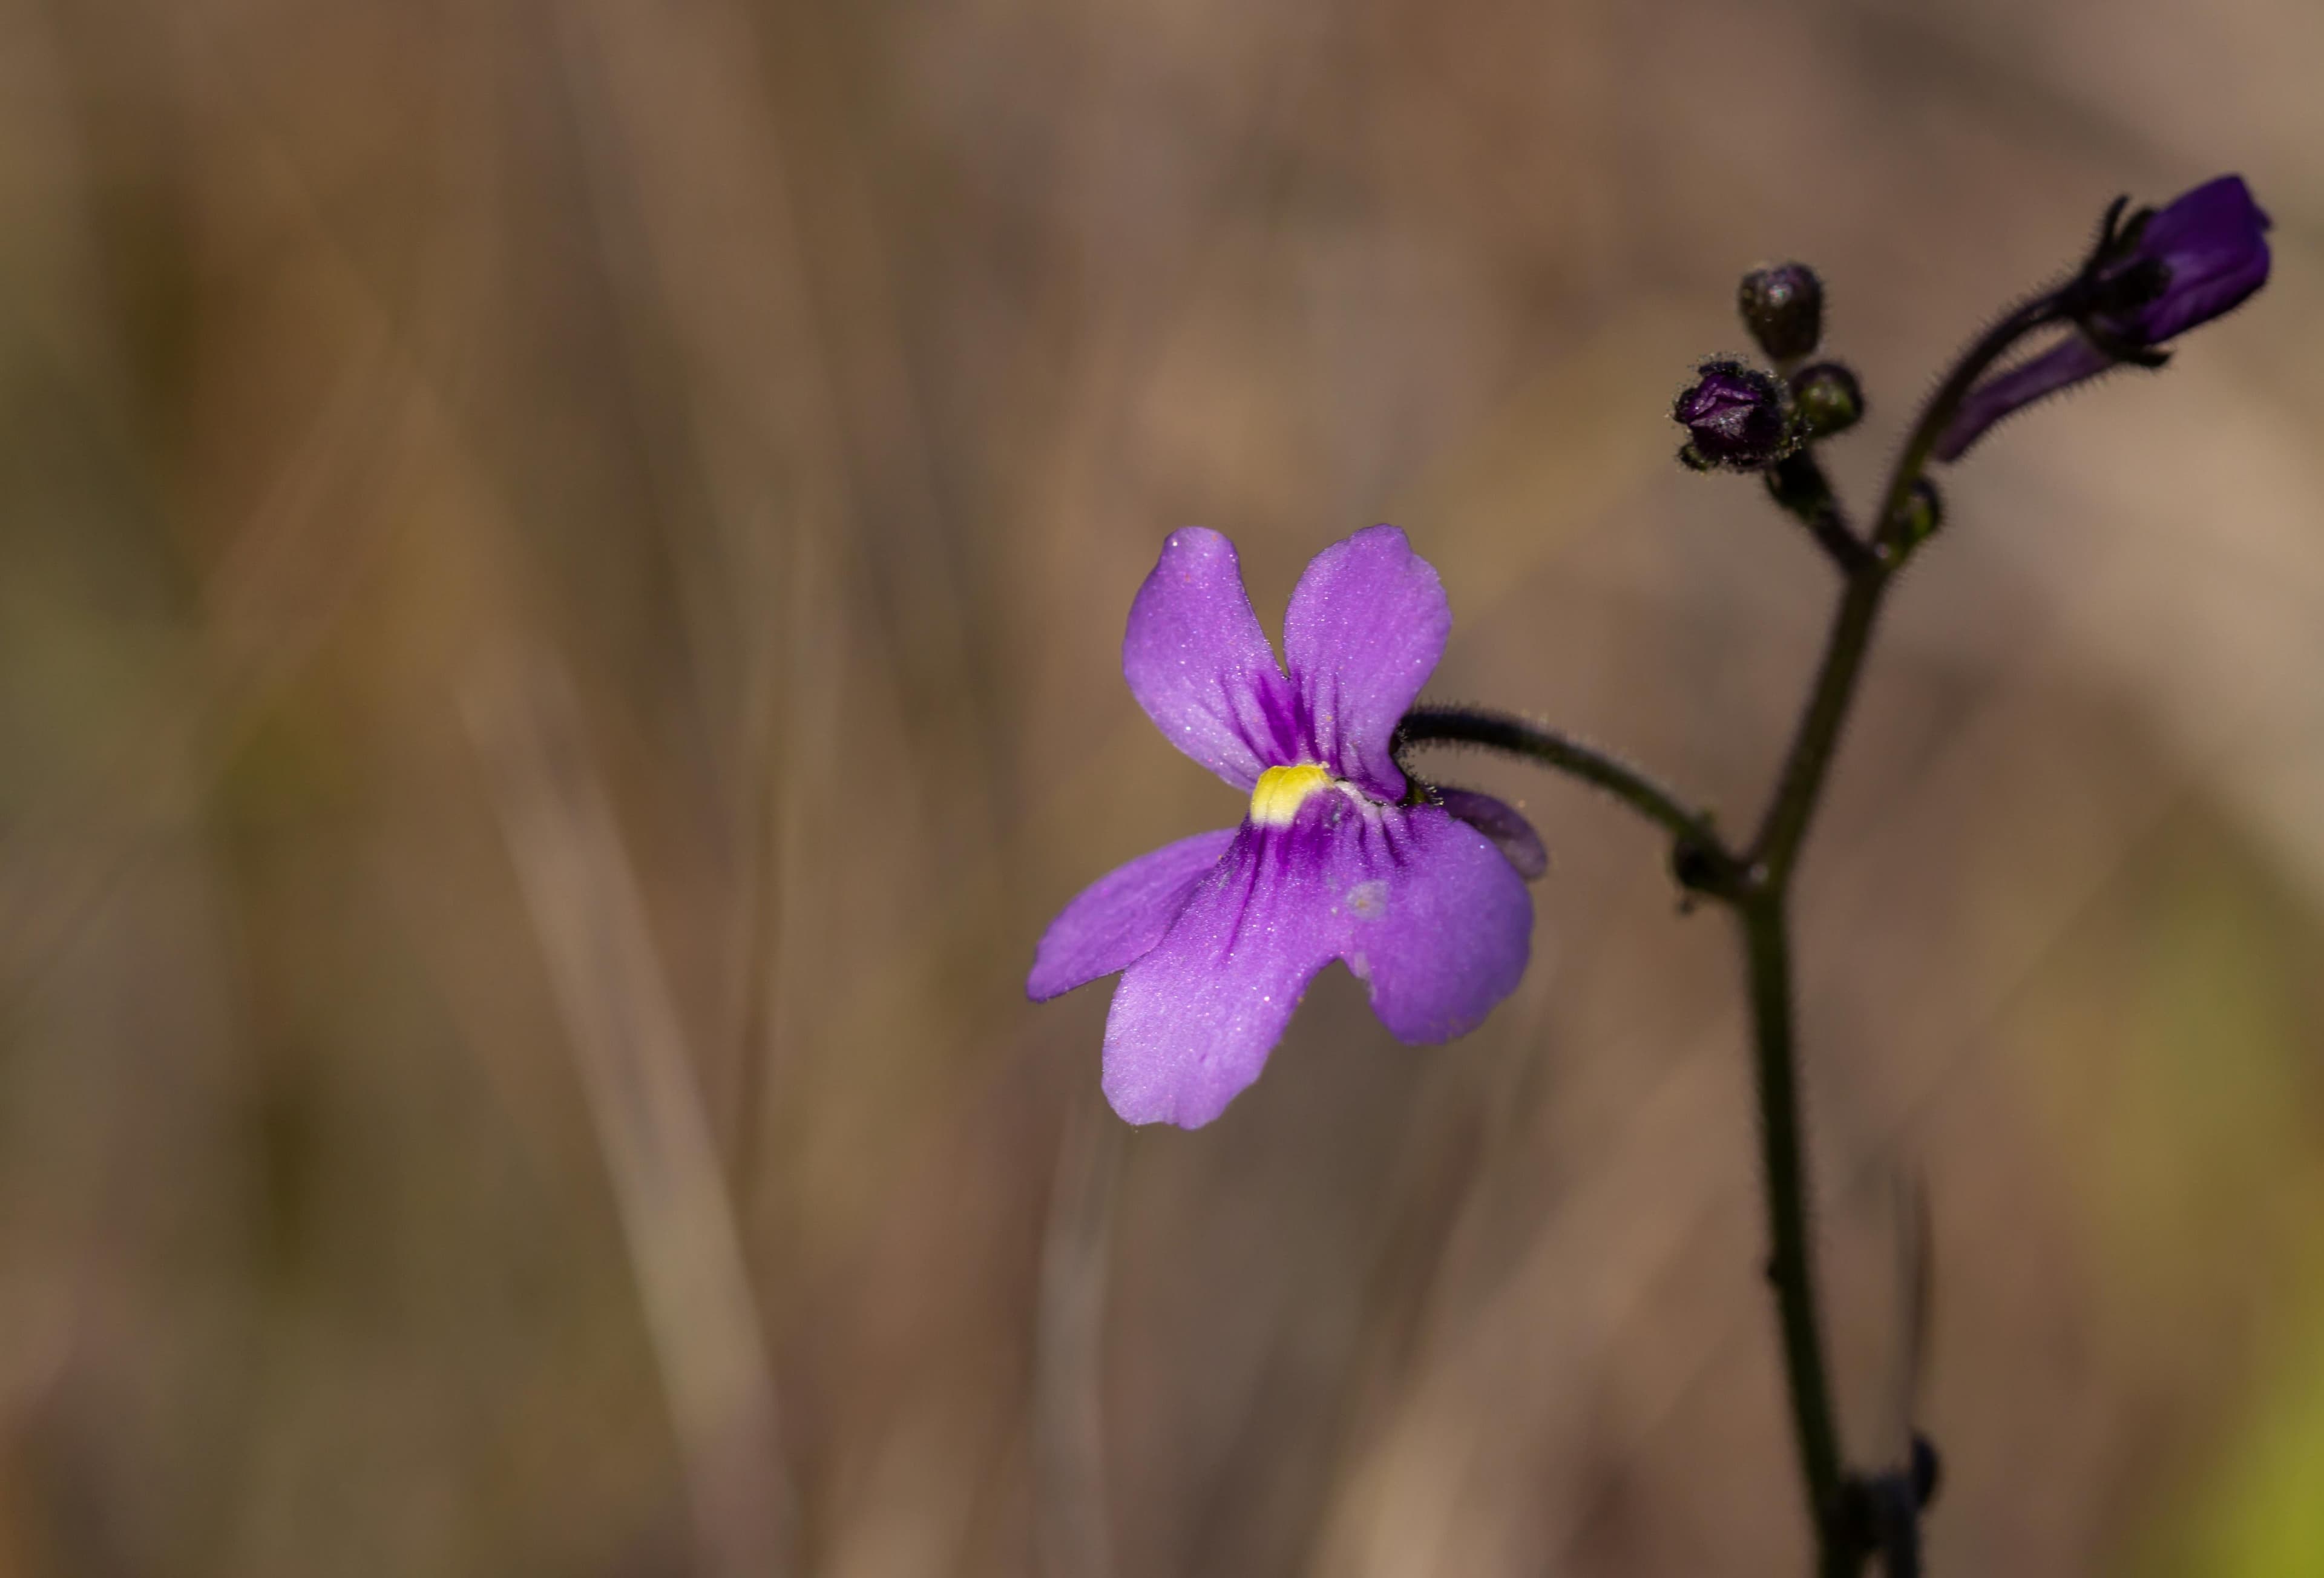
x=1828 y=399
x=1923 y=513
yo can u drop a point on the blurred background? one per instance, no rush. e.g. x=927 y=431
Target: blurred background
x=562 y=564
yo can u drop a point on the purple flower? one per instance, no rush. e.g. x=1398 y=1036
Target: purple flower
x=1218 y=935
x=2198 y=258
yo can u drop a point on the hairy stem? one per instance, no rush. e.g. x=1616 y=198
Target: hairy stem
x=1514 y=736
x=1945 y=403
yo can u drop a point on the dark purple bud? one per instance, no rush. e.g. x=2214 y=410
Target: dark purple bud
x=1782 y=306
x=1828 y=399
x=1695 y=867
x=2164 y=273
x=1736 y=418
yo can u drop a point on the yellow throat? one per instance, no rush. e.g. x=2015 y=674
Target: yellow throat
x=1280 y=791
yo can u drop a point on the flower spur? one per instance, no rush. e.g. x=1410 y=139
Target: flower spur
x=1216 y=936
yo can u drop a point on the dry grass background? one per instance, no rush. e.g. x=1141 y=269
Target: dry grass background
x=561 y=564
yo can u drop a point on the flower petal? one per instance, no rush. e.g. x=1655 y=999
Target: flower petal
x=1421 y=905
x=1194 y=1020
x=2215 y=240
x=1502 y=822
x=1440 y=924
x=1117 y=920
x=1200 y=667
x=1365 y=628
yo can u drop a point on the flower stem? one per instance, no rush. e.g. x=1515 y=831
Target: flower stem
x=1755 y=884
x=1791 y=1265
x=1762 y=908
x=1945 y=403
x=1495 y=731
x=1808 y=763
x=1800 y=488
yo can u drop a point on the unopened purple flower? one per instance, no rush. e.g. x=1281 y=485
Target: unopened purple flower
x=1218 y=935
x=2197 y=259
x=1736 y=418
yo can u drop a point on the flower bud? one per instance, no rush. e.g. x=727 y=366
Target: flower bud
x=1736 y=418
x=2196 y=259
x=1922 y=512
x=1696 y=867
x=1828 y=399
x=1782 y=306
x=2152 y=278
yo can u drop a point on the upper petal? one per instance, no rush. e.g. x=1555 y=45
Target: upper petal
x=1199 y=664
x=1118 y=919
x=1194 y=1020
x=1366 y=626
x=2215 y=240
x=1439 y=923
x=2219 y=213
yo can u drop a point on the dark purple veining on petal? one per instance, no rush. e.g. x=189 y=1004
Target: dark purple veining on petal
x=1197 y=659
x=1363 y=631
x=1117 y=920
x=1422 y=906
x=1218 y=937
